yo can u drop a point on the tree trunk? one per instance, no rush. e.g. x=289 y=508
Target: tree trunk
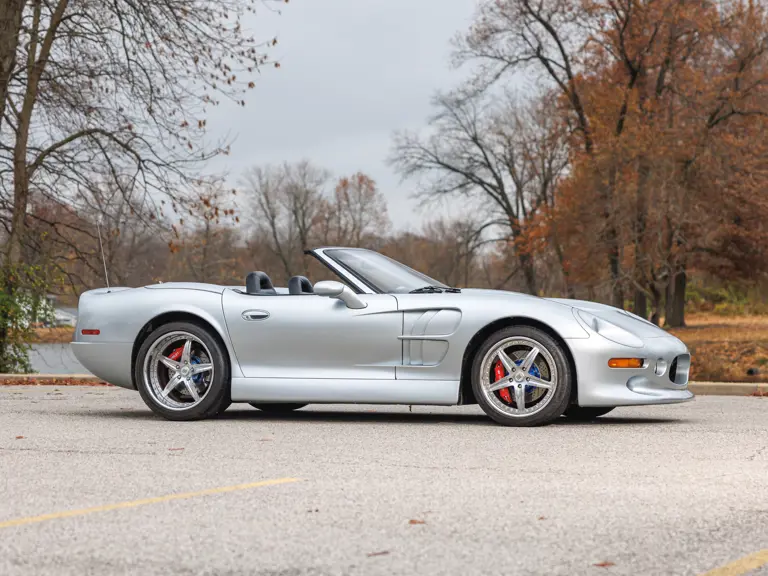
x=640 y=304
x=655 y=304
x=612 y=240
x=526 y=263
x=563 y=266
x=640 y=300
x=617 y=294
x=11 y=12
x=676 y=304
x=20 y=199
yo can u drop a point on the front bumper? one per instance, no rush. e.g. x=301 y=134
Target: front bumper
x=599 y=385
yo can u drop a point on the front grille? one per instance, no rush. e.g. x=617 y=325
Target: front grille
x=678 y=370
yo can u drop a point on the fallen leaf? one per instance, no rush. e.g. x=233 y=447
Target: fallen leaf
x=416 y=522
x=19 y=437
x=604 y=564
x=542 y=518
x=382 y=553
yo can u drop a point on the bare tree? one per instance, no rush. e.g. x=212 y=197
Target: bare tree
x=286 y=202
x=303 y=198
x=504 y=155
x=111 y=90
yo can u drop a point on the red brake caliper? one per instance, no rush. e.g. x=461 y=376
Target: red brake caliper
x=498 y=372
x=176 y=354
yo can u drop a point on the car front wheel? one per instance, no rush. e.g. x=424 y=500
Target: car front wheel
x=182 y=372
x=522 y=377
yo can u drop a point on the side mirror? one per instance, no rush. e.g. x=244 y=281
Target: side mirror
x=341 y=292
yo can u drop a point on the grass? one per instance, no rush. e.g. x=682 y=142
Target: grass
x=61 y=335
x=724 y=348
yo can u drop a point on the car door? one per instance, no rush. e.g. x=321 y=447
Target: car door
x=313 y=337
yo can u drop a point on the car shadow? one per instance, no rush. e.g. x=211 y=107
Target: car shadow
x=369 y=416
x=357 y=416
x=617 y=421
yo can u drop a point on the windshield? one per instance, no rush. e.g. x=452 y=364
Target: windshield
x=381 y=273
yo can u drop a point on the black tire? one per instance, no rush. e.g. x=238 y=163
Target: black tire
x=586 y=413
x=561 y=395
x=281 y=408
x=216 y=400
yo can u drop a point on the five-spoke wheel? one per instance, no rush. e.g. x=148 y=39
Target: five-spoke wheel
x=521 y=377
x=182 y=372
x=179 y=369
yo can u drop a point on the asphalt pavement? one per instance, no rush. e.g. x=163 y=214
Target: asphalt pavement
x=91 y=482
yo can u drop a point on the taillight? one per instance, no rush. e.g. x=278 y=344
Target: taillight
x=86 y=332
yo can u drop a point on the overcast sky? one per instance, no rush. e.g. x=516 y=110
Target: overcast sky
x=352 y=72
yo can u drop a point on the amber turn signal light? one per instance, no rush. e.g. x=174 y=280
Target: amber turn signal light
x=625 y=363
x=90 y=332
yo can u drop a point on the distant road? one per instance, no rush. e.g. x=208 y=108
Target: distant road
x=54 y=359
x=92 y=483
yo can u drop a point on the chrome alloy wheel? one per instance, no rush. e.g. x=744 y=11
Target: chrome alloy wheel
x=518 y=376
x=178 y=370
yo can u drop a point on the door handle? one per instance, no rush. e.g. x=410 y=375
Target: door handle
x=255 y=315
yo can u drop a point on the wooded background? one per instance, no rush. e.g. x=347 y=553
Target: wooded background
x=612 y=150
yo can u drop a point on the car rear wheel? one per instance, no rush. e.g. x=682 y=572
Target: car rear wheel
x=182 y=372
x=522 y=377
x=281 y=408
x=586 y=413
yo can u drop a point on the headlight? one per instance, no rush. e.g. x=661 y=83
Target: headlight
x=636 y=317
x=610 y=331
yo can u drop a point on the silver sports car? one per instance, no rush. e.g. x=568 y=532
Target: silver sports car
x=384 y=334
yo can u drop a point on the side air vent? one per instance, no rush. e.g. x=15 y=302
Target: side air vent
x=679 y=369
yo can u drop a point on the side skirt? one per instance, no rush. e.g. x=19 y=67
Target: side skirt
x=327 y=390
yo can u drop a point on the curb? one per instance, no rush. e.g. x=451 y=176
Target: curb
x=699 y=388
x=729 y=388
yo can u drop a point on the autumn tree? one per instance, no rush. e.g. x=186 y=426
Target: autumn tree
x=450 y=250
x=652 y=92
x=205 y=240
x=356 y=215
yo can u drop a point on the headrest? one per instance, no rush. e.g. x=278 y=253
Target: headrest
x=258 y=283
x=300 y=285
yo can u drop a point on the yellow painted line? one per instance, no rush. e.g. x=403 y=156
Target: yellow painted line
x=742 y=565
x=142 y=502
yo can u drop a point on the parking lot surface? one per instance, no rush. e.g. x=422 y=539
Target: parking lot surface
x=91 y=482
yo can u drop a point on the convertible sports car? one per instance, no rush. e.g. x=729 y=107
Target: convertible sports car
x=385 y=334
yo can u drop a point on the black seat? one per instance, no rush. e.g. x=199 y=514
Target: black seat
x=258 y=283
x=300 y=285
